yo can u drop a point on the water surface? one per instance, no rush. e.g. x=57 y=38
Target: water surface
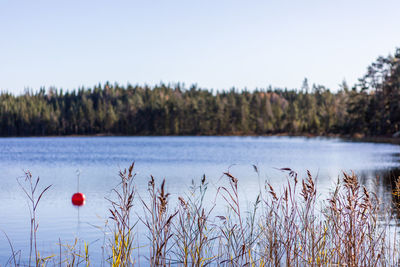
x=177 y=159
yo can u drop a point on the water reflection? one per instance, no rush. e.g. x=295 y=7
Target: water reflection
x=382 y=183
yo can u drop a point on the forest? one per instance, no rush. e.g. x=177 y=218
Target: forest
x=369 y=108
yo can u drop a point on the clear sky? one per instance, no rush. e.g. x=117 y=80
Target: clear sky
x=216 y=44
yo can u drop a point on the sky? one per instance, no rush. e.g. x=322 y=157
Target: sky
x=215 y=44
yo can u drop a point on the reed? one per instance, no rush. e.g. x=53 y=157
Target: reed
x=30 y=188
x=121 y=242
x=158 y=220
x=72 y=254
x=236 y=236
x=195 y=237
x=290 y=226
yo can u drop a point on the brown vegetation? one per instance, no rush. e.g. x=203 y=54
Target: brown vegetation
x=285 y=227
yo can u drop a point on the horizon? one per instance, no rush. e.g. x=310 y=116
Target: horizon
x=216 y=46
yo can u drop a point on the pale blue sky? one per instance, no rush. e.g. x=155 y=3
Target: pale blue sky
x=216 y=44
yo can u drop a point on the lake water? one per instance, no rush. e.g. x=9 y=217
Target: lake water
x=177 y=159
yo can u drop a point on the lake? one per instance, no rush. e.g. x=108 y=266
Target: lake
x=177 y=159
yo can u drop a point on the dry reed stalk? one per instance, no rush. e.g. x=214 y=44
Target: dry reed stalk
x=351 y=229
x=237 y=235
x=158 y=221
x=73 y=254
x=30 y=189
x=353 y=222
x=194 y=240
x=123 y=235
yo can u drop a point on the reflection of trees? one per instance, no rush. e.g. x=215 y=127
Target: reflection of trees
x=382 y=182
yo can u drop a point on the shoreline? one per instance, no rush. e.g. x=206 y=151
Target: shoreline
x=354 y=138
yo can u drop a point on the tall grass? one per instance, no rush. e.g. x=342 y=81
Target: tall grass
x=72 y=254
x=34 y=195
x=286 y=226
x=121 y=242
x=195 y=237
x=159 y=221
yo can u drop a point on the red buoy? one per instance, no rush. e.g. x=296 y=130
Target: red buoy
x=78 y=199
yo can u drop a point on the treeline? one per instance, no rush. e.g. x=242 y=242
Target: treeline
x=372 y=107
